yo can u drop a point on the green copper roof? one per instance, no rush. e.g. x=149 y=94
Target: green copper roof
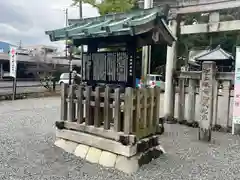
x=132 y=24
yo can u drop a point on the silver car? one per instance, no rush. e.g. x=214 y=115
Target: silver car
x=64 y=78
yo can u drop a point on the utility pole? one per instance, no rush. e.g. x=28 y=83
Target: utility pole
x=20 y=44
x=68 y=48
x=66 y=24
x=146 y=50
x=80 y=9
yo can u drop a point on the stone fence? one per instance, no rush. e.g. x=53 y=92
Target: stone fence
x=205 y=96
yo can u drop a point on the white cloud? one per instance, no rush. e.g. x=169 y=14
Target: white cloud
x=27 y=20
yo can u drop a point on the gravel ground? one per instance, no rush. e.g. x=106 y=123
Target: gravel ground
x=27 y=151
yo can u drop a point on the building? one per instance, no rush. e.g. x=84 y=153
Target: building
x=161 y=2
x=5 y=46
x=35 y=60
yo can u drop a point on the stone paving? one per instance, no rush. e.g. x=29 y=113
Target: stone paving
x=27 y=151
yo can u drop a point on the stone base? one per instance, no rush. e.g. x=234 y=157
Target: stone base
x=170 y=119
x=204 y=134
x=108 y=159
x=236 y=129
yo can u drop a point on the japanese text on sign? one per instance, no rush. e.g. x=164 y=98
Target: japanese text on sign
x=206 y=93
x=13 y=62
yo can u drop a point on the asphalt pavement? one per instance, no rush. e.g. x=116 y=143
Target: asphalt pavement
x=27 y=150
x=19 y=90
x=6 y=87
x=4 y=84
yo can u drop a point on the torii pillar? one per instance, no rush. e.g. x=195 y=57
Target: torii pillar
x=169 y=96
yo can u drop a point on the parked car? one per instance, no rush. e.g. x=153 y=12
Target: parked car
x=64 y=78
x=154 y=80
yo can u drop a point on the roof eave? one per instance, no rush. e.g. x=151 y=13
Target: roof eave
x=98 y=30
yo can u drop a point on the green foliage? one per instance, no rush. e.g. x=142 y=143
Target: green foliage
x=227 y=40
x=110 y=6
x=76 y=51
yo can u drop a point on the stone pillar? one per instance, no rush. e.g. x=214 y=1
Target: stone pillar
x=226 y=108
x=169 y=95
x=181 y=100
x=215 y=104
x=146 y=50
x=206 y=100
x=191 y=101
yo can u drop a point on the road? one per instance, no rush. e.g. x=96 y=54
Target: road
x=6 y=87
x=19 y=83
x=5 y=91
x=27 y=150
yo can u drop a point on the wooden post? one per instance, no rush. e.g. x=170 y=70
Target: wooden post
x=63 y=102
x=128 y=111
x=138 y=111
x=206 y=100
x=97 y=117
x=80 y=105
x=157 y=105
x=181 y=100
x=145 y=104
x=117 y=110
x=151 y=117
x=89 y=115
x=107 y=113
x=71 y=104
x=191 y=101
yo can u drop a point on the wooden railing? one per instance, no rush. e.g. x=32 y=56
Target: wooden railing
x=111 y=113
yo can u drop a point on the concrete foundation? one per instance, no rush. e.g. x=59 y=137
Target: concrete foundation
x=109 y=159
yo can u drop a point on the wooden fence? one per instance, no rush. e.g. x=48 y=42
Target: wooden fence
x=111 y=113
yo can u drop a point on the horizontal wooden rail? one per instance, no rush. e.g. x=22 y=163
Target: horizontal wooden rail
x=112 y=105
x=99 y=131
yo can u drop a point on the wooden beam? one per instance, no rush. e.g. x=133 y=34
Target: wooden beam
x=211 y=27
x=208 y=6
x=97 y=142
x=98 y=131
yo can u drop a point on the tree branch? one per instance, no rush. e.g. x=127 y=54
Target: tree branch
x=91 y=2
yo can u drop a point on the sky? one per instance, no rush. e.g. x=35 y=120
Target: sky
x=27 y=20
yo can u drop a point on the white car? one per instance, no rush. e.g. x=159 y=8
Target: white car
x=64 y=78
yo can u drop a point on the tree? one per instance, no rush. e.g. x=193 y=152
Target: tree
x=110 y=6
